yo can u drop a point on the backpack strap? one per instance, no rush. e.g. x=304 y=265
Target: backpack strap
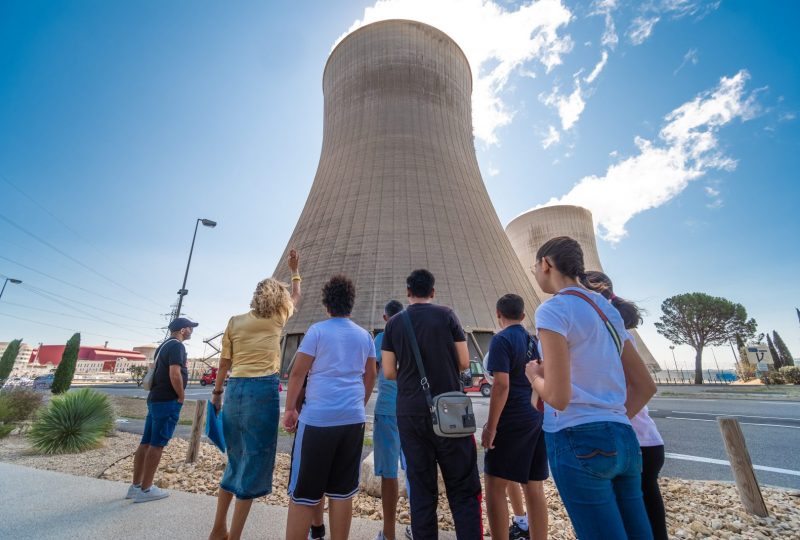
x=609 y=326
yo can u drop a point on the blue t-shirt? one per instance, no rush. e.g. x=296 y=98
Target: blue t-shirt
x=386 y=403
x=508 y=353
x=335 y=391
x=598 y=382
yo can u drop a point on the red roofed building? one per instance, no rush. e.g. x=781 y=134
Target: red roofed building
x=90 y=359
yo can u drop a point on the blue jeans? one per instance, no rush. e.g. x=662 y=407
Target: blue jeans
x=597 y=469
x=162 y=417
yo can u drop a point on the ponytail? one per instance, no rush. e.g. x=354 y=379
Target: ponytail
x=601 y=283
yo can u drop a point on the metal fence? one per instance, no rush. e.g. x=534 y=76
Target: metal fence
x=686 y=376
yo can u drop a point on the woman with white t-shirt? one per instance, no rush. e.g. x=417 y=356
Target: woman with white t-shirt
x=591 y=380
x=650 y=440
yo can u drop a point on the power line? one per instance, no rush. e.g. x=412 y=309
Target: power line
x=47 y=294
x=73 y=316
x=63 y=224
x=64 y=328
x=73 y=259
x=73 y=285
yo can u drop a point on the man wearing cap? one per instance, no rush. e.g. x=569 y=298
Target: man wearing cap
x=163 y=409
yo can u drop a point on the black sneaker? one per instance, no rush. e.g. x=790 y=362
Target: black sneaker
x=516 y=533
x=317 y=532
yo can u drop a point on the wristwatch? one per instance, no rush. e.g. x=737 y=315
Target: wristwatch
x=217 y=392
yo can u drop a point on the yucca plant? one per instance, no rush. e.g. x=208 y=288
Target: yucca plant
x=72 y=422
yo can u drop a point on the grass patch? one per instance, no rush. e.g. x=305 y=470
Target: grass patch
x=136 y=408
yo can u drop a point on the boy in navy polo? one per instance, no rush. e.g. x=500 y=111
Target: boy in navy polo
x=512 y=436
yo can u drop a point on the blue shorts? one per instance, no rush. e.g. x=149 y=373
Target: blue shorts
x=162 y=417
x=386 y=439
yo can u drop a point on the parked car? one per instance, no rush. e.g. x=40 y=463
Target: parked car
x=43 y=382
x=475 y=379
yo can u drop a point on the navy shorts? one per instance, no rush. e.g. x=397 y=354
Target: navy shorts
x=325 y=461
x=162 y=417
x=519 y=455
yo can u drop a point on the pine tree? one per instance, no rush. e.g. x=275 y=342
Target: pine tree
x=774 y=352
x=7 y=362
x=786 y=357
x=66 y=368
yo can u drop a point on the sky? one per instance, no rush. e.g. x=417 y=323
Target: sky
x=673 y=121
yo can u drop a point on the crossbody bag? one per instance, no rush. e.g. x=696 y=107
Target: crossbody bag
x=533 y=356
x=451 y=412
x=609 y=326
x=150 y=376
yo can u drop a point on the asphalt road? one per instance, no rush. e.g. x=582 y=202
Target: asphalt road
x=688 y=425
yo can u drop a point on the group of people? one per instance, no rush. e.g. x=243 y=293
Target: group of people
x=590 y=429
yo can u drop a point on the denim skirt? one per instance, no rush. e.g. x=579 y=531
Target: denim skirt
x=250 y=415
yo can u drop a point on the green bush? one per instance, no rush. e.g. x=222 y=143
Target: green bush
x=746 y=371
x=772 y=377
x=73 y=422
x=19 y=404
x=7 y=360
x=66 y=368
x=791 y=374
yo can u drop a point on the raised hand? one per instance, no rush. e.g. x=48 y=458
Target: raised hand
x=293 y=261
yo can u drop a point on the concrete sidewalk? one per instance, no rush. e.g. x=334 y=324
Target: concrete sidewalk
x=46 y=505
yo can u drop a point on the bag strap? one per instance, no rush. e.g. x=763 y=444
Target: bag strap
x=412 y=338
x=609 y=325
x=533 y=351
x=158 y=354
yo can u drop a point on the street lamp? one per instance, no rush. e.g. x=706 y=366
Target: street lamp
x=12 y=280
x=183 y=292
x=672 y=348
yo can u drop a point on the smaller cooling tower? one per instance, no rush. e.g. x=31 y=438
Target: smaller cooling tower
x=532 y=229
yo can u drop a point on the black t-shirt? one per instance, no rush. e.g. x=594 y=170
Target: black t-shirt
x=437 y=329
x=170 y=353
x=508 y=353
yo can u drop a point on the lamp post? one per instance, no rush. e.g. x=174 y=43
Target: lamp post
x=183 y=292
x=672 y=348
x=12 y=280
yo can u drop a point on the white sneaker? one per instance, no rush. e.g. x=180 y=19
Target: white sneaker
x=408 y=533
x=133 y=490
x=153 y=494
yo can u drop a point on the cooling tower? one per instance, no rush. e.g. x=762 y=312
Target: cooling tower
x=532 y=229
x=398 y=186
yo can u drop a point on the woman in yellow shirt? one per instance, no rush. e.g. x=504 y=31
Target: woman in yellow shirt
x=251 y=352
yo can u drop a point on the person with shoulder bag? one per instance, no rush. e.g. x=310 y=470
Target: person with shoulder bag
x=592 y=381
x=424 y=348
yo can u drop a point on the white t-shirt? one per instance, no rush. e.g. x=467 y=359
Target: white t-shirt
x=598 y=381
x=335 y=391
x=646 y=430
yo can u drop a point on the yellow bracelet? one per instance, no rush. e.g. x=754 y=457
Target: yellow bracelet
x=297 y=278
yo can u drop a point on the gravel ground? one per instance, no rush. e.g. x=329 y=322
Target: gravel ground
x=695 y=509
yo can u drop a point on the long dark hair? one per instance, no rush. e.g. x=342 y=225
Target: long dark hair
x=565 y=254
x=601 y=283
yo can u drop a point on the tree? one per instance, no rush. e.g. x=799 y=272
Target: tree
x=66 y=368
x=7 y=361
x=137 y=374
x=786 y=357
x=776 y=359
x=701 y=320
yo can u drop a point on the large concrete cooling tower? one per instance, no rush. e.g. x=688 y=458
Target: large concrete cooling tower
x=532 y=229
x=398 y=185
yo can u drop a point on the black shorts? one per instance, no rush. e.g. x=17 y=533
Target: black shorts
x=325 y=461
x=518 y=455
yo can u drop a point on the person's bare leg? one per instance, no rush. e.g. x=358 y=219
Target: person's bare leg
x=389 y=494
x=537 y=510
x=496 y=506
x=220 y=529
x=138 y=463
x=240 y=513
x=514 y=491
x=150 y=466
x=340 y=514
x=319 y=514
x=298 y=521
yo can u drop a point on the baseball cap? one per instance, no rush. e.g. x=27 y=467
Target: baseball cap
x=181 y=322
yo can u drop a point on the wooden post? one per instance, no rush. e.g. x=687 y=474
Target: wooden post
x=197 y=429
x=742 y=467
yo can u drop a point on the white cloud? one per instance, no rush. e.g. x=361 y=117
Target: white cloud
x=498 y=42
x=598 y=68
x=641 y=28
x=552 y=137
x=493 y=171
x=691 y=57
x=569 y=106
x=687 y=149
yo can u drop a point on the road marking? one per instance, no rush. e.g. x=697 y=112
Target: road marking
x=779 y=402
x=690 y=399
x=737 y=415
x=700 y=459
x=742 y=423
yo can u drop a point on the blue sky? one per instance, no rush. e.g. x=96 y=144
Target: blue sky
x=120 y=124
